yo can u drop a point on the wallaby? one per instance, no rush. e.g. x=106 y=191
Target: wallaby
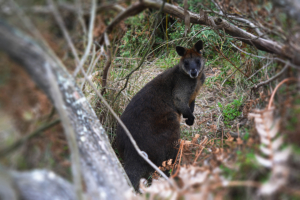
x=154 y=113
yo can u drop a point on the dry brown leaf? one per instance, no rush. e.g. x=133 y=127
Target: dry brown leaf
x=239 y=141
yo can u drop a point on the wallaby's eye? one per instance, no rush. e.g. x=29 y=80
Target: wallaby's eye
x=186 y=63
x=198 y=61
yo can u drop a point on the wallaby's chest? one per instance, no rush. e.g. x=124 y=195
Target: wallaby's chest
x=196 y=89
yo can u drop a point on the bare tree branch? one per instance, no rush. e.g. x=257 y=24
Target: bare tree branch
x=132 y=10
x=62 y=26
x=107 y=63
x=263 y=57
x=21 y=141
x=92 y=65
x=271 y=79
x=80 y=16
x=90 y=38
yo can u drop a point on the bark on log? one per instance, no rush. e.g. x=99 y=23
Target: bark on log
x=37 y=184
x=103 y=174
x=42 y=185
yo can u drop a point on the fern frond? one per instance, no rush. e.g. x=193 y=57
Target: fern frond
x=273 y=156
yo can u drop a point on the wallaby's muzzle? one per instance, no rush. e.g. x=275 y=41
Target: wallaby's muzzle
x=194 y=73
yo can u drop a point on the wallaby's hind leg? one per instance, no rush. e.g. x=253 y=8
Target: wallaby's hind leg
x=192 y=106
x=137 y=169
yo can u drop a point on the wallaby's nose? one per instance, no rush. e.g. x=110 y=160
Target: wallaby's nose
x=193 y=72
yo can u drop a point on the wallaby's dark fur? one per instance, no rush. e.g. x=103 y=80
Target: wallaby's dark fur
x=153 y=115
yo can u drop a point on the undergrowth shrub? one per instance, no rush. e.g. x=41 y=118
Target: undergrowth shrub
x=231 y=110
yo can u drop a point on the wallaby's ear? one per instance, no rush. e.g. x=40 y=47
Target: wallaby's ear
x=180 y=50
x=198 y=46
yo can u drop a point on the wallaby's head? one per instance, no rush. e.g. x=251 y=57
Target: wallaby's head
x=191 y=60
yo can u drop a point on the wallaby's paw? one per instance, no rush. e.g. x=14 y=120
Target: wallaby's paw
x=190 y=122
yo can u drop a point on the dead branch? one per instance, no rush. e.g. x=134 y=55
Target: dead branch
x=21 y=141
x=80 y=17
x=276 y=88
x=92 y=65
x=132 y=10
x=90 y=39
x=103 y=174
x=107 y=6
x=107 y=63
x=236 y=18
x=263 y=57
x=237 y=68
x=271 y=79
x=214 y=22
x=77 y=8
x=62 y=26
x=230 y=75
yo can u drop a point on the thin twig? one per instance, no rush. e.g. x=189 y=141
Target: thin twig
x=90 y=38
x=30 y=26
x=179 y=149
x=266 y=65
x=133 y=9
x=51 y=114
x=271 y=79
x=232 y=63
x=80 y=16
x=32 y=29
x=220 y=52
x=197 y=156
x=107 y=63
x=232 y=74
x=237 y=18
x=91 y=65
x=276 y=88
x=90 y=70
x=178 y=166
x=62 y=26
x=20 y=142
x=263 y=57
